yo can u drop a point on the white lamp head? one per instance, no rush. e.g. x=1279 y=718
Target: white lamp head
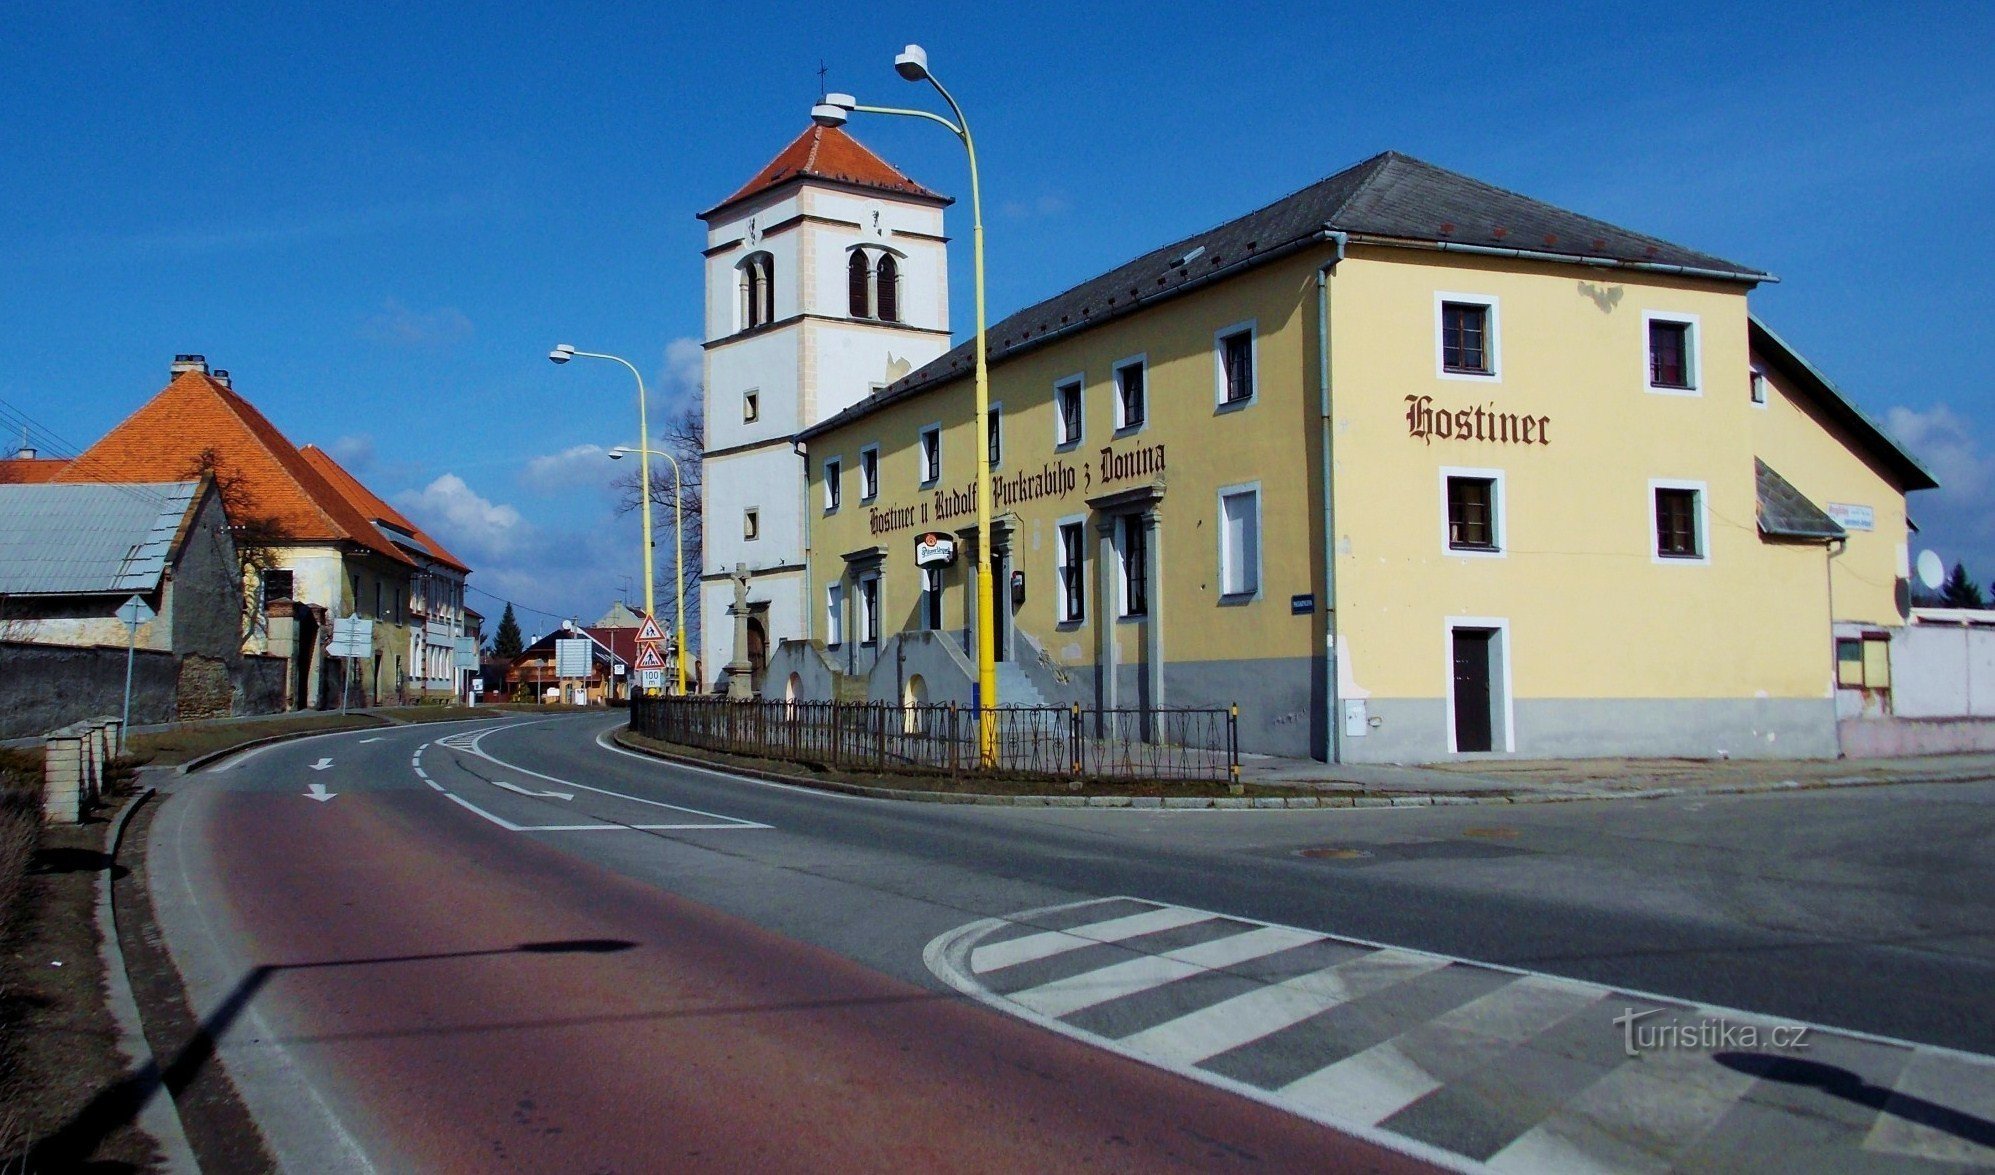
x=828 y=113
x=619 y=452
x=562 y=353
x=912 y=63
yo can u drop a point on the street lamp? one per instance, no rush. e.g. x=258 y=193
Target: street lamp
x=678 y=547
x=562 y=354
x=912 y=64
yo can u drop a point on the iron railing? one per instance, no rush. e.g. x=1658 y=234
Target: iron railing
x=1050 y=742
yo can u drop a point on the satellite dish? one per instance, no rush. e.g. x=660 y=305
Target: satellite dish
x=1932 y=572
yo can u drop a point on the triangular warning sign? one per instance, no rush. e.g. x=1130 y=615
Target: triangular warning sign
x=650 y=631
x=648 y=658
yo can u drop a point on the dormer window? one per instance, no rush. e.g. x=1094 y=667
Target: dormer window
x=758 y=290
x=873 y=286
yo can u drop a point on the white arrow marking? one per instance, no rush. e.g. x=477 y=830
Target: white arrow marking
x=318 y=792
x=365 y=741
x=321 y=765
x=538 y=795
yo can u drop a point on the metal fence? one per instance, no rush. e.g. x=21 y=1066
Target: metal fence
x=1050 y=742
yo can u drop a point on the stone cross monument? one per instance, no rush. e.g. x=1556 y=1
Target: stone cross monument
x=740 y=682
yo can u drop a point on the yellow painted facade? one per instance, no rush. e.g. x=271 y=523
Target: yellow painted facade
x=1602 y=645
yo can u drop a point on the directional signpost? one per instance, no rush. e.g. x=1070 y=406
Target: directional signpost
x=133 y=612
x=353 y=639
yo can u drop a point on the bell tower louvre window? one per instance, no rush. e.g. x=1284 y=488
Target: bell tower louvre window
x=758 y=291
x=857 y=279
x=887 y=284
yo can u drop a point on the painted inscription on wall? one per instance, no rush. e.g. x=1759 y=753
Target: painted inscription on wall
x=1425 y=421
x=1055 y=479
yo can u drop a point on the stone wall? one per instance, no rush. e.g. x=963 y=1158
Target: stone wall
x=43 y=687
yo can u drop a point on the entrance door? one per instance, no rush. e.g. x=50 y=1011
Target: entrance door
x=1473 y=728
x=1000 y=604
x=758 y=651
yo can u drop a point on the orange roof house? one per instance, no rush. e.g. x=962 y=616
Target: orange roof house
x=829 y=154
x=400 y=530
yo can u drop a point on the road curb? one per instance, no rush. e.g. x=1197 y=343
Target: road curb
x=1257 y=803
x=159 y=1116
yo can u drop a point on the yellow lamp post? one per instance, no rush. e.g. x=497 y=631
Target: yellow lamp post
x=912 y=64
x=678 y=549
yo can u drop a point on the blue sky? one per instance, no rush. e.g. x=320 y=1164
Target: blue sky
x=380 y=222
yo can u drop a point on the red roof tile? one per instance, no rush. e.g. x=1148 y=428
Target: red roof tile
x=371 y=506
x=828 y=153
x=164 y=439
x=30 y=470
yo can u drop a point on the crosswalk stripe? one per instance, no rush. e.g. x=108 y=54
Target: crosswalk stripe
x=1382 y=1080
x=1065 y=996
x=1248 y=1017
x=1046 y=944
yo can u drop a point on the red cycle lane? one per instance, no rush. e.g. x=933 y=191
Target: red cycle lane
x=483 y=1000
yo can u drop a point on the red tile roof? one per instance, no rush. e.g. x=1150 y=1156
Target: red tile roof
x=30 y=470
x=371 y=506
x=828 y=153
x=164 y=439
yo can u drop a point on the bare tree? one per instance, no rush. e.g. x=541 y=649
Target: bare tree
x=684 y=437
x=257 y=535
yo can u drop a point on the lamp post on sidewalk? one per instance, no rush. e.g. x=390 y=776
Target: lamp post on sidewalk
x=678 y=551
x=912 y=64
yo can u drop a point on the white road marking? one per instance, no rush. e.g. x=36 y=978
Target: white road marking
x=1065 y=996
x=475 y=747
x=376 y=739
x=1046 y=944
x=236 y=761
x=537 y=795
x=321 y=765
x=318 y=792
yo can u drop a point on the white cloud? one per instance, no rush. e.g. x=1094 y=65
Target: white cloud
x=578 y=466
x=398 y=325
x=355 y=452
x=472 y=525
x=684 y=364
x=1947 y=444
x=1042 y=207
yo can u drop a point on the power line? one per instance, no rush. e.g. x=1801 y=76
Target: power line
x=515 y=604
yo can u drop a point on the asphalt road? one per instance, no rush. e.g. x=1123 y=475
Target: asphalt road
x=529 y=949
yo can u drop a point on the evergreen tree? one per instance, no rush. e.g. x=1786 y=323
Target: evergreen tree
x=507 y=643
x=1961 y=592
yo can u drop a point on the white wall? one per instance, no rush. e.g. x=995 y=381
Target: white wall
x=1944 y=670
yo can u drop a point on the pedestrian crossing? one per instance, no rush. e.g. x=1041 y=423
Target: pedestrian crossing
x=1472 y=1065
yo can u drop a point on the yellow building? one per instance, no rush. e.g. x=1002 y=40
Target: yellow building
x=1578 y=500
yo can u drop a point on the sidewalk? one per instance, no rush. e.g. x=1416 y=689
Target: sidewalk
x=1525 y=781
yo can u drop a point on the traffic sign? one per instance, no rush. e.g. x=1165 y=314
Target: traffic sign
x=653 y=679
x=572 y=656
x=353 y=636
x=648 y=658
x=650 y=632
x=135 y=611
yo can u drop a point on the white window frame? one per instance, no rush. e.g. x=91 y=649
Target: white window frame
x=1060 y=616
x=1492 y=336
x=751 y=406
x=1499 y=509
x=834 y=613
x=1703 y=557
x=1115 y=385
x=1250 y=328
x=869 y=487
x=1693 y=342
x=1759 y=389
x=1501 y=626
x=1219 y=541
x=833 y=491
x=928 y=432
x=1077 y=381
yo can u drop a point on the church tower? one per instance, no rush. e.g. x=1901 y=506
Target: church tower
x=826 y=280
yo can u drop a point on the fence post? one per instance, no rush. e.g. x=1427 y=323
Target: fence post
x=1233 y=783
x=1074 y=737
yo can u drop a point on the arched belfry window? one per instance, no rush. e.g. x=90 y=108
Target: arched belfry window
x=758 y=290
x=887 y=288
x=858 y=280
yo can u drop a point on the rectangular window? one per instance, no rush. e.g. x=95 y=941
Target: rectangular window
x=751 y=525
x=1239 y=543
x=931 y=455
x=831 y=486
x=869 y=474
x=1129 y=402
x=1849 y=662
x=869 y=609
x=1236 y=366
x=1677 y=528
x=931 y=598
x=751 y=407
x=994 y=433
x=1472 y=513
x=277 y=585
x=1465 y=346
x=1073 y=597
x=834 y=614
x=1669 y=354
x=1758 y=388
x=377 y=600
x=1135 y=566
x=1067 y=406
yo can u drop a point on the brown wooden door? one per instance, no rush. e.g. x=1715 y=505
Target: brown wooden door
x=1473 y=729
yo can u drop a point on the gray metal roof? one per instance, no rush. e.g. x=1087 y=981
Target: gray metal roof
x=1387 y=199
x=1785 y=512
x=86 y=539
x=1910 y=472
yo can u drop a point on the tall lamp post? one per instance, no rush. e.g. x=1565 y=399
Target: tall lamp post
x=912 y=64
x=678 y=549
x=562 y=354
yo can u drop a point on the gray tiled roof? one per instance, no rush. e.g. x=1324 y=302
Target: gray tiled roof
x=1785 y=512
x=1389 y=197
x=81 y=539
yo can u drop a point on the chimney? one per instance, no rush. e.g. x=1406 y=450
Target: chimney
x=26 y=454
x=221 y=376
x=186 y=363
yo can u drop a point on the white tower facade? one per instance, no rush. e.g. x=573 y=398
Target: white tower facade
x=827 y=279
